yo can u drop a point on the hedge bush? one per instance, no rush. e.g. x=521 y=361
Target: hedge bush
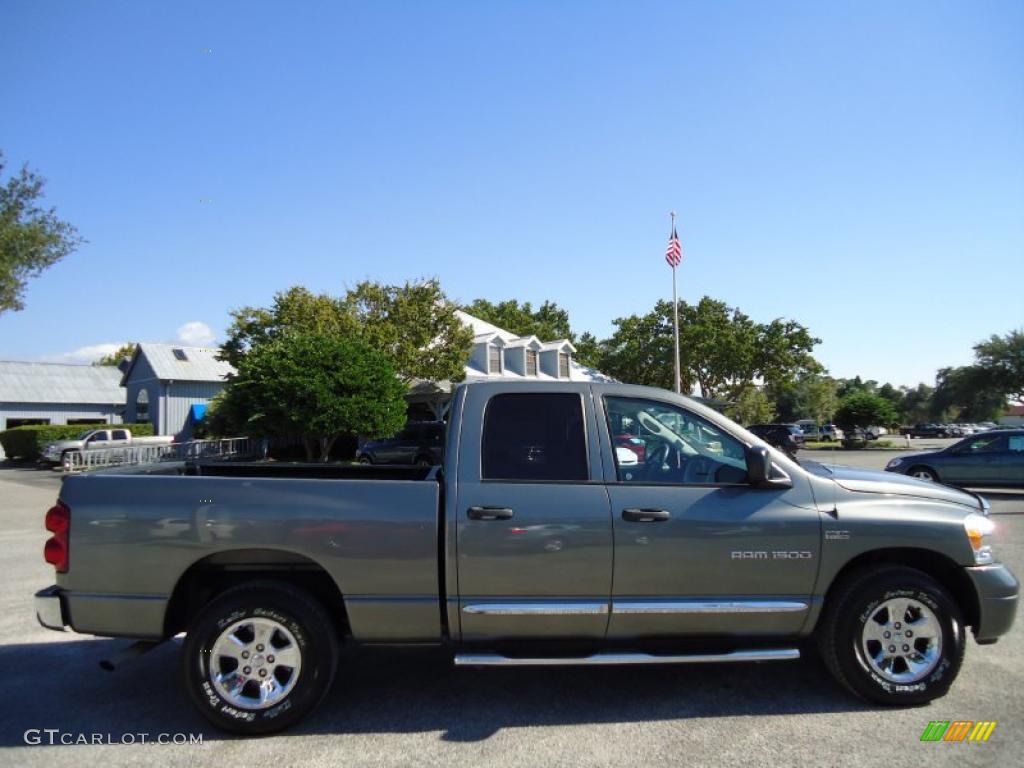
x=28 y=442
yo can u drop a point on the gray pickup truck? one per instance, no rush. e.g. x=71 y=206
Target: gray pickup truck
x=540 y=541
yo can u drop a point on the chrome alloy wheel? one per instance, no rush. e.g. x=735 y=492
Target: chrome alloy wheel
x=255 y=663
x=902 y=640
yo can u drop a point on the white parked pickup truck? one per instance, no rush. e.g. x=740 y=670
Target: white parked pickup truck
x=98 y=439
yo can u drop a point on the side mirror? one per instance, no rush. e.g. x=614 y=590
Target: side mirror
x=759 y=465
x=759 y=469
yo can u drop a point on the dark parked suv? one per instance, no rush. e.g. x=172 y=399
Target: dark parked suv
x=419 y=443
x=787 y=437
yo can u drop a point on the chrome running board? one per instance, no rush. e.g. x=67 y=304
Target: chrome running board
x=614 y=658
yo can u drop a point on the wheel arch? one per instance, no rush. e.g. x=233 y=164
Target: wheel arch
x=212 y=575
x=940 y=567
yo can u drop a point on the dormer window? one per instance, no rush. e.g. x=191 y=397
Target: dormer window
x=493 y=359
x=531 y=362
x=563 y=365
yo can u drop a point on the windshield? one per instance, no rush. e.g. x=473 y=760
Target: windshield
x=85 y=434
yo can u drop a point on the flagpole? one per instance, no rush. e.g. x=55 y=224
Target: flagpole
x=675 y=312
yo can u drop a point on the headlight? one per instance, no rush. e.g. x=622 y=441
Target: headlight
x=977 y=528
x=893 y=463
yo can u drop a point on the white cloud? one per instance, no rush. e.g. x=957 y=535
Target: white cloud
x=196 y=334
x=193 y=334
x=85 y=355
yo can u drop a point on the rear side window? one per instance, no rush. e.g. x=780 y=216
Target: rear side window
x=535 y=436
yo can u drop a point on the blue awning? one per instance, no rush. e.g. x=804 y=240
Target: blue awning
x=197 y=412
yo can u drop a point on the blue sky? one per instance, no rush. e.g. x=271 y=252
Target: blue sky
x=856 y=166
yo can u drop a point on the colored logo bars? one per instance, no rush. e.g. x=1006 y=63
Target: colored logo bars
x=958 y=730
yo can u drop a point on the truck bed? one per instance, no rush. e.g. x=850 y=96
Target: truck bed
x=140 y=531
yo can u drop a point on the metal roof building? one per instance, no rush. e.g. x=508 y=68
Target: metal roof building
x=169 y=385
x=58 y=393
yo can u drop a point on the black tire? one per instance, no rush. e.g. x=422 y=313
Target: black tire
x=276 y=603
x=364 y=460
x=861 y=599
x=924 y=473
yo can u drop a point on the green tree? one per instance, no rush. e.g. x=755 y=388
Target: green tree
x=640 y=350
x=751 y=406
x=721 y=349
x=119 y=354
x=966 y=393
x=548 y=322
x=816 y=398
x=31 y=238
x=414 y=325
x=1001 y=358
x=588 y=350
x=864 y=409
x=295 y=309
x=317 y=385
x=916 y=403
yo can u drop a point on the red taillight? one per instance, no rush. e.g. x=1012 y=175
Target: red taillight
x=58 y=522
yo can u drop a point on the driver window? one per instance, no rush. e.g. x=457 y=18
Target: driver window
x=987 y=444
x=656 y=442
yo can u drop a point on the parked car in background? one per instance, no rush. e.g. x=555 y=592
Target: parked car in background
x=855 y=438
x=875 y=432
x=99 y=439
x=926 y=430
x=788 y=438
x=824 y=432
x=421 y=443
x=990 y=459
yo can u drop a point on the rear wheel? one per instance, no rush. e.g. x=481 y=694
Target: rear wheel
x=893 y=636
x=259 y=657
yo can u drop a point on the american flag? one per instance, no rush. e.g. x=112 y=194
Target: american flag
x=674 y=252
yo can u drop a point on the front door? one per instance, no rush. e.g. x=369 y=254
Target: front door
x=976 y=461
x=534 y=531
x=697 y=549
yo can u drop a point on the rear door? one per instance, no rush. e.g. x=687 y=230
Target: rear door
x=697 y=549
x=534 y=531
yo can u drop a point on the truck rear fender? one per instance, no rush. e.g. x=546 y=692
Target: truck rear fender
x=212 y=575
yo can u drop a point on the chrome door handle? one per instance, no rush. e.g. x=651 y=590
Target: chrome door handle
x=634 y=515
x=489 y=513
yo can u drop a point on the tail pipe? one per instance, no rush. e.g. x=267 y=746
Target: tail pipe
x=130 y=652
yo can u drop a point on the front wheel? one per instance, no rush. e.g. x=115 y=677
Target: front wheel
x=924 y=473
x=259 y=657
x=894 y=636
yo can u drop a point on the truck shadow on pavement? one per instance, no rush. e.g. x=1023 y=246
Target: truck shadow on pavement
x=379 y=691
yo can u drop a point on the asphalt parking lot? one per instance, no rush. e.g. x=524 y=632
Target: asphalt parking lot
x=413 y=708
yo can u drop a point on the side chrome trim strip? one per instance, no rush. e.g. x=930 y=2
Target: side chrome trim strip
x=626 y=607
x=537 y=609
x=610 y=659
